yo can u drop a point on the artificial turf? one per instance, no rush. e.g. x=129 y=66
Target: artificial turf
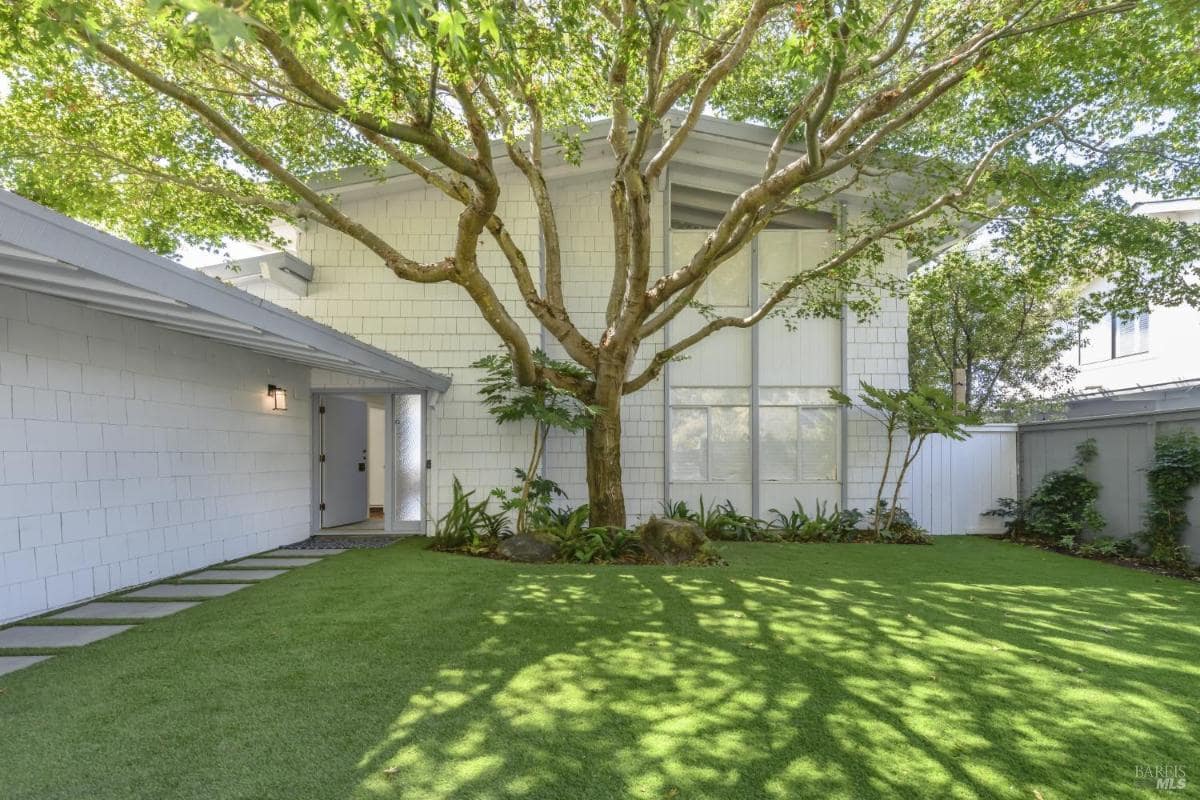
x=969 y=669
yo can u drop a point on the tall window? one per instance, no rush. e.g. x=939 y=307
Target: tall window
x=1113 y=337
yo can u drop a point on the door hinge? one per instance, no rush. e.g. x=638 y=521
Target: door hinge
x=321 y=458
x=429 y=463
x=320 y=409
x=322 y=506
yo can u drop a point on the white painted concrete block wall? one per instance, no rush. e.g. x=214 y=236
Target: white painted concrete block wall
x=130 y=453
x=876 y=352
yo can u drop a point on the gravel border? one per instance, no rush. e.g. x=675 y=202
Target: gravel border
x=343 y=542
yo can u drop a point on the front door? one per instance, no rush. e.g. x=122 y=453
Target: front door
x=343 y=459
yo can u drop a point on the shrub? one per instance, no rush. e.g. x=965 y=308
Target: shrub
x=1106 y=546
x=1063 y=506
x=1174 y=471
x=468 y=525
x=1012 y=511
x=821 y=526
x=601 y=545
x=896 y=526
x=720 y=521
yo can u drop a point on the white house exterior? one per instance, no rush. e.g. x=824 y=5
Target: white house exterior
x=142 y=434
x=746 y=417
x=1157 y=347
x=137 y=439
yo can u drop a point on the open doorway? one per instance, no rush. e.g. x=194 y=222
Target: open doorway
x=369 y=462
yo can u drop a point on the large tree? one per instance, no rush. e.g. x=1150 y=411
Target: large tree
x=193 y=120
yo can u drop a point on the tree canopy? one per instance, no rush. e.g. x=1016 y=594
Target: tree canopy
x=1009 y=313
x=192 y=120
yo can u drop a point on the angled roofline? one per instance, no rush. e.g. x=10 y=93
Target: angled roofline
x=40 y=230
x=597 y=130
x=1168 y=205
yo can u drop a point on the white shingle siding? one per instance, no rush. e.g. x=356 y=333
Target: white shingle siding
x=438 y=327
x=876 y=352
x=131 y=453
x=587 y=245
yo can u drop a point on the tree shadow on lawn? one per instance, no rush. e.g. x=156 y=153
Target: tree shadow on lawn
x=969 y=669
x=747 y=684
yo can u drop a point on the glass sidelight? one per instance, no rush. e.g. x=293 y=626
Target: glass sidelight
x=408 y=449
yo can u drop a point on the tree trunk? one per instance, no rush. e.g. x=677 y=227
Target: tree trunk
x=606 y=494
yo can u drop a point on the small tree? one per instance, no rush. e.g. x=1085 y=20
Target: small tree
x=917 y=413
x=545 y=404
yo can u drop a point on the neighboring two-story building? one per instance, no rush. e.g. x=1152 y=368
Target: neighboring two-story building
x=1152 y=349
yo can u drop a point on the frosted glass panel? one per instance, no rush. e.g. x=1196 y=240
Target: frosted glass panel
x=794 y=396
x=818 y=444
x=710 y=397
x=729 y=284
x=779 y=447
x=730 y=435
x=689 y=444
x=408 y=427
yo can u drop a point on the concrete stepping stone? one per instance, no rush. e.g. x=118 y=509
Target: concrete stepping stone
x=333 y=551
x=234 y=575
x=171 y=591
x=117 y=610
x=57 y=635
x=272 y=563
x=13 y=663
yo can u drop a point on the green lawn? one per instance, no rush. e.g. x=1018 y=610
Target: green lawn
x=969 y=669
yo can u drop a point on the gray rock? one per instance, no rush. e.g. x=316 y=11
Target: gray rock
x=672 y=541
x=529 y=548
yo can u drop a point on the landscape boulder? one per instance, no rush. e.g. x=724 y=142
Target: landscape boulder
x=672 y=541
x=530 y=548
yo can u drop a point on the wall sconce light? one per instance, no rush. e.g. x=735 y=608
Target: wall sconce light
x=279 y=395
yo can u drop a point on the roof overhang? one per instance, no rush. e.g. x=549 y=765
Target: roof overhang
x=279 y=268
x=43 y=251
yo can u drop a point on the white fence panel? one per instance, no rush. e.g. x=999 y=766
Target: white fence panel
x=953 y=483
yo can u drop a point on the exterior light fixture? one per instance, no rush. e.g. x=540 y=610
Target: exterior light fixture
x=279 y=395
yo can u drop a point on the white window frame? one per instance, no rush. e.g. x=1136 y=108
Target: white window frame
x=1112 y=331
x=678 y=404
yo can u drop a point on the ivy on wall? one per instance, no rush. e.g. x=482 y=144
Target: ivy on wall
x=1173 y=472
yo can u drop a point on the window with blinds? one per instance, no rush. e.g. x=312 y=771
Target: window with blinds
x=1113 y=337
x=1132 y=336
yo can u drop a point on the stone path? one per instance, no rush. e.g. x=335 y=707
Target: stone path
x=117 y=610
x=149 y=602
x=233 y=575
x=177 y=591
x=57 y=635
x=14 y=663
x=274 y=562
